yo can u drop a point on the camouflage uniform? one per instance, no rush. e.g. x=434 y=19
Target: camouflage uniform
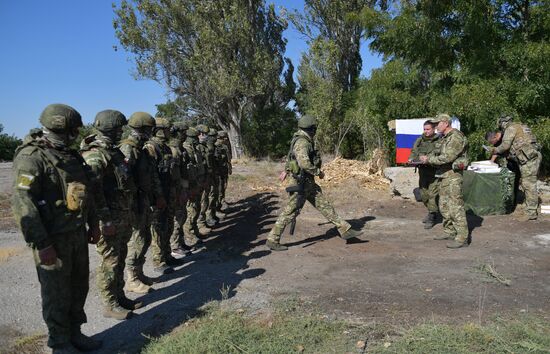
x=194 y=162
x=308 y=159
x=427 y=182
x=52 y=204
x=144 y=171
x=521 y=146
x=114 y=189
x=207 y=150
x=225 y=146
x=212 y=199
x=181 y=180
x=450 y=159
x=162 y=219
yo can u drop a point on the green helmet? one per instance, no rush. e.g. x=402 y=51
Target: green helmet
x=109 y=120
x=212 y=132
x=222 y=134
x=162 y=123
x=180 y=126
x=59 y=118
x=202 y=128
x=307 y=121
x=192 y=132
x=503 y=120
x=140 y=120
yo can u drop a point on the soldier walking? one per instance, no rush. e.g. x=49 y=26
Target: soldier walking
x=144 y=171
x=518 y=144
x=52 y=203
x=207 y=151
x=226 y=169
x=193 y=160
x=303 y=165
x=450 y=159
x=427 y=182
x=114 y=190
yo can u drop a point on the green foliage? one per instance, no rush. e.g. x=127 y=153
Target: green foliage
x=8 y=144
x=541 y=129
x=269 y=133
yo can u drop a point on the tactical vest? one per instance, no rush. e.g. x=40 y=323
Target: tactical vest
x=190 y=162
x=313 y=154
x=221 y=157
x=462 y=159
x=165 y=164
x=63 y=169
x=524 y=146
x=200 y=161
x=142 y=168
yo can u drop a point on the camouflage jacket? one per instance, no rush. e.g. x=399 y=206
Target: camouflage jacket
x=210 y=150
x=222 y=157
x=41 y=186
x=143 y=169
x=161 y=154
x=303 y=151
x=424 y=146
x=451 y=154
x=192 y=161
x=519 y=142
x=180 y=173
x=114 y=186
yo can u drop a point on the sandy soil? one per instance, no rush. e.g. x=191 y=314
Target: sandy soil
x=398 y=275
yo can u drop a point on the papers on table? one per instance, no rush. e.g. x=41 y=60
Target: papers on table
x=486 y=166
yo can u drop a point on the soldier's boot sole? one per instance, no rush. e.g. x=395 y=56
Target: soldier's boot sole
x=116 y=312
x=275 y=246
x=136 y=286
x=351 y=233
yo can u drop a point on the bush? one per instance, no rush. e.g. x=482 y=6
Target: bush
x=8 y=144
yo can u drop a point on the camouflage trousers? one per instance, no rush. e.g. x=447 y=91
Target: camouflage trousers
x=113 y=251
x=222 y=186
x=213 y=198
x=64 y=289
x=205 y=201
x=314 y=195
x=451 y=205
x=161 y=230
x=429 y=190
x=177 y=239
x=140 y=240
x=529 y=172
x=190 y=229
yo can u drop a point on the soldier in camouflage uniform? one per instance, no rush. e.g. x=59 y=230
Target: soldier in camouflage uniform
x=207 y=150
x=212 y=200
x=162 y=220
x=193 y=161
x=303 y=164
x=144 y=171
x=226 y=169
x=52 y=203
x=450 y=159
x=114 y=190
x=520 y=145
x=425 y=145
x=181 y=178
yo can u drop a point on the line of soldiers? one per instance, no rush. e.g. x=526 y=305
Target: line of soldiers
x=156 y=188
x=442 y=158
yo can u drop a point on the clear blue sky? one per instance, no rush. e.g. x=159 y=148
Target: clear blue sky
x=62 y=51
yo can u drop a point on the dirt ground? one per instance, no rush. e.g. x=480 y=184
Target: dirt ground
x=398 y=275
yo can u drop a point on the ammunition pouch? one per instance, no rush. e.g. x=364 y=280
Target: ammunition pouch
x=76 y=196
x=526 y=154
x=293 y=167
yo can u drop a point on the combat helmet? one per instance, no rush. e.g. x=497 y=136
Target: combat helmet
x=108 y=120
x=59 y=117
x=212 y=132
x=202 y=128
x=192 y=132
x=162 y=123
x=222 y=134
x=140 y=120
x=307 y=121
x=504 y=120
x=180 y=126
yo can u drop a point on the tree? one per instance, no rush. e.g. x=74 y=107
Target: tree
x=8 y=144
x=224 y=57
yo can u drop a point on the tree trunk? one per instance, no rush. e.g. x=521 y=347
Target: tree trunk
x=234 y=132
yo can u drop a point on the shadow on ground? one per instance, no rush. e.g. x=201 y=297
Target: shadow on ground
x=211 y=274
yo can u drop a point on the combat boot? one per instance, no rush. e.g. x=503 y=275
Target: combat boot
x=180 y=252
x=65 y=348
x=457 y=244
x=430 y=222
x=143 y=278
x=174 y=262
x=84 y=343
x=164 y=268
x=129 y=304
x=527 y=217
x=275 y=246
x=117 y=312
x=444 y=237
x=426 y=218
x=211 y=223
x=351 y=233
x=135 y=285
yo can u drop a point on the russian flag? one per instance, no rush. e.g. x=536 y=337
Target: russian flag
x=406 y=133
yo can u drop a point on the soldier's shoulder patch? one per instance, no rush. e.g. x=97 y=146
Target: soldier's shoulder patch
x=24 y=181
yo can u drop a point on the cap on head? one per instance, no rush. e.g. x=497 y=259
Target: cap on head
x=443 y=117
x=307 y=121
x=162 y=123
x=140 y=120
x=192 y=132
x=60 y=117
x=109 y=120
